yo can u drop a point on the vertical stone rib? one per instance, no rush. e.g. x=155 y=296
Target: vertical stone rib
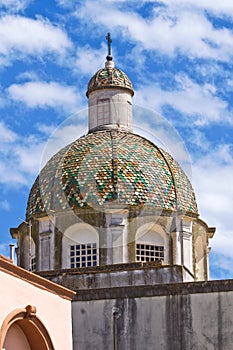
x=114 y=164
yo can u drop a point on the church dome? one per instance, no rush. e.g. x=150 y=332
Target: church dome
x=109 y=77
x=112 y=197
x=108 y=168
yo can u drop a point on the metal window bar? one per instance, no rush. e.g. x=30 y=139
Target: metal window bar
x=83 y=255
x=149 y=252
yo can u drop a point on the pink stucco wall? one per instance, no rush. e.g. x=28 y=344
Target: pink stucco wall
x=53 y=310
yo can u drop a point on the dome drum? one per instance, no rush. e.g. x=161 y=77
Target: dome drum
x=110 y=109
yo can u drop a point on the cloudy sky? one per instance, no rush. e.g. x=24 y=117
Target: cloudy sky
x=179 y=56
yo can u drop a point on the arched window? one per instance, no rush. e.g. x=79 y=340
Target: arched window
x=80 y=246
x=151 y=243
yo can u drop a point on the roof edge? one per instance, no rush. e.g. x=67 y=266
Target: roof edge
x=7 y=266
x=109 y=87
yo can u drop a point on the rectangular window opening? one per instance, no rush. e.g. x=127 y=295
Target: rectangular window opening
x=149 y=252
x=103 y=111
x=83 y=255
x=33 y=263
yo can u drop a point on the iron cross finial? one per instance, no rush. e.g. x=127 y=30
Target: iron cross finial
x=109 y=40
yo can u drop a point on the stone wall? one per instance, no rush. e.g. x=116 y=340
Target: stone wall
x=123 y=275
x=181 y=316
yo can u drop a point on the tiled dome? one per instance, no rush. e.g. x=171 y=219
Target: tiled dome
x=108 y=168
x=109 y=77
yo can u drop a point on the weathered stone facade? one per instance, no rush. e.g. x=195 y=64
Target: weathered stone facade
x=139 y=306
x=183 y=316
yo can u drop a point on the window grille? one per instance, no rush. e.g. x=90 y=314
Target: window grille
x=83 y=255
x=33 y=263
x=149 y=252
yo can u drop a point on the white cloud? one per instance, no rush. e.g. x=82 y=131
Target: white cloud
x=14 y=5
x=25 y=36
x=90 y=60
x=188 y=98
x=212 y=180
x=22 y=158
x=45 y=128
x=12 y=178
x=166 y=31
x=28 y=157
x=42 y=94
x=6 y=135
x=158 y=130
x=19 y=158
x=64 y=134
x=220 y=7
x=198 y=138
x=65 y=4
x=20 y=162
x=27 y=76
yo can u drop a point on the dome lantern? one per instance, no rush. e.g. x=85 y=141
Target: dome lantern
x=109 y=95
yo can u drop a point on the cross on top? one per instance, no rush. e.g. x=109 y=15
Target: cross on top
x=109 y=40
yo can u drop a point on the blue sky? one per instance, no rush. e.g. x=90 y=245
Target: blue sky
x=179 y=56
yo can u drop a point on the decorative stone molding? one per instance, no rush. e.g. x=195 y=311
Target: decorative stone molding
x=30 y=311
x=31 y=326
